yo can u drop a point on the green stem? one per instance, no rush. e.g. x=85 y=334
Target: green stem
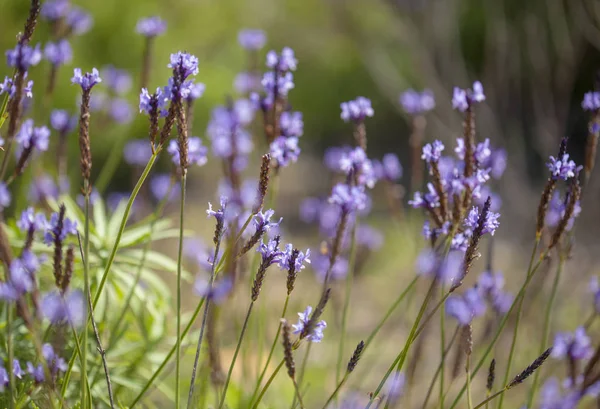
x=439 y=368
x=489 y=398
x=442 y=348
x=168 y=357
x=469 y=397
x=401 y=358
x=269 y=382
x=547 y=325
x=501 y=326
x=237 y=350
x=513 y=344
x=264 y=371
x=336 y=390
x=111 y=165
x=349 y=280
x=9 y=349
x=302 y=370
x=140 y=267
x=298 y=395
x=179 y=267
x=86 y=280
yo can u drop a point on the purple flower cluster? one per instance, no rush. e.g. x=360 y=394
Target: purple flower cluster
x=389 y=168
x=69 y=307
x=562 y=168
x=575 y=346
x=21 y=280
x=303 y=318
x=58 y=53
x=7 y=87
x=196 y=151
x=356 y=110
x=556 y=211
x=591 y=101
x=57 y=229
x=447 y=269
x=462 y=99
x=161 y=184
x=285 y=150
x=158 y=98
x=417 y=103
x=349 y=198
x=76 y=20
x=251 y=39
x=217 y=293
x=262 y=221
x=32 y=137
x=151 y=26
x=87 y=80
x=219 y=215
x=356 y=164
x=23 y=56
x=301 y=259
x=62 y=122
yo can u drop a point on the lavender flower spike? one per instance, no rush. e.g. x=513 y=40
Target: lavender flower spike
x=252 y=39
x=58 y=53
x=591 y=101
x=87 y=80
x=356 y=110
x=303 y=319
x=349 y=198
x=23 y=56
x=151 y=26
x=186 y=64
x=196 y=151
x=417 y=103
x=562 y=168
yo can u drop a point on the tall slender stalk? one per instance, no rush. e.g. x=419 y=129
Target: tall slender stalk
x=442 y=347
x=517 y=322
x=9 y=350
x=179 y=268
x=237 y=350
x=469 y=397
x=86 y=280
x=269 y=382
x=349 y=281
x=547 y=325
x=439 y=368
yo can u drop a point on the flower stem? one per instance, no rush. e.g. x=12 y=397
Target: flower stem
x=9 y=349
x=349 y=281
x=439 y=368
x=86 y=280
x=469 y=397
x=264 y=371
x=547 y=325
x=237 y=350
x=179 y=267
x=442 y=348
x=302 y=371
x=517 y=322
x=336 y=391
x=269 y=381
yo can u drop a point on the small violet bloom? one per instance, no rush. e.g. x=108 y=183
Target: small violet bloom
x=417 y=103
x=58 y=53
x=53 y=10
x=69 y=307
x=432 y=152
x=252 y=39
x=262 y=221
x=79 y=21
x=576 y=345
x=217 y=293
x=285 y=150
x=299 y=263
x=303 y=319
x=5 y=196
x=356 y=162
x=118 y=80
x=137 y=152
x=562 y=168
x=349 y=198
x=186 y=64
x=463 y=98
x=161 y=185
x=32 y=137
x=591 y=101
x=23 y=56
x=356 y=110
x=196 y=151
x=389 y=168
x=151 y=26
x=490 y=224
x=286 y=61
x=87 y=80
x=59 y=231
x=62 y=122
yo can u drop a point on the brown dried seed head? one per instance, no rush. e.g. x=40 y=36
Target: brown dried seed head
x=355 y=356
x=287 y=349
x=530 y=369
x=69 y=260
x=491 y=375
x=263 y=183
x=575 y=193
x=543 y=206
x=84 y=139
x=292 y=273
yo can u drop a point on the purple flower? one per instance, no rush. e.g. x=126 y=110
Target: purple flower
x=394 y=387
x=246 y=82
x=62 y=122
x=120 y=111
x=31 y=220
x=490 y=224
x=482 y=152
x=458 y=308
x=389 y=168
x=286 y=61
x=31 y=137
x=17 y=370
x=5 y=196
x=356 y=162
x=53 y=10
x=117 y=79
x=161 y=185
x=369 y=237
x=55 y=362
x=87 y=80
x=459 y=99
x=219 y=215
x=146 y=101
x=219 y=291
x=291 y=124
x=186 y=64
x=21 y=278
x=562 y=168
x=4 y=378
x=428 y=200
x=477 y=93
x=349 y=198
x=270 y=252
x=432 y=152
x=309 y=209
x=427 y=263
x=262 y=221
x=591 y=101
x=285 y=150
x=321 y=263
x=36 y=372
x=69 y=307
x=556 y=211
x=196 y=151
x=55 y=231
x=333 y=155
x=23 y=56
x=594 y=288
x=8 y=87
x=137 y=152
x=301 y=259
x=225 y=130
x=417 y=103
x=58 y=53
x=303 y=319
x=575 y=345
x=451 y=268
x=496 y=163
x=151 y=26
x=491 y=285
x=252 y=39
x=356 y=110
x=283 y=83
x=79 y=21
x=196 y=91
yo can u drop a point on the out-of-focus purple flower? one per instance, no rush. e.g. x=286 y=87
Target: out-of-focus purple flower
x=427 y=263
x=186 y=64
x=225 y=130
x=94 y=197
x=462 y=98
x=23 y=56
x=62 y=122
x=286 y=61
x=30 y=136
x=389 y=168
x=496 y=163
x=53 y=10
x=576 y=345
x=137 y=152
x=285 y=150
x=417 y=103
x=594 y=287
x=356 y=163
x=4 y=378
x=196 y=91
x=118 y=80
x=349 y=198
x=87 y=80
x=36 y=372
x=451 y=267
x=252 y=39
x=394 y=387
x=196 y=151
x=55 y=230
x=17 y=370
x=20 y=277
x=44 y=187
x=356 y=110
x=291 y=124
x=556 y=211
x=320 y=264
x=482 y=151
x=55 y=362
x=69 y=307
x=160 y=186
x=432 y=152
x=591 y=101
x=120 y=110
x=309 y=209
x=491 y=286
x=369 y=237
x=458 y=308
x=282 y=83
x=562 y=168
x=98 y=101
x=4 y=196
x=303 y=318
x=31 y=220
x=8 y=87
x=79 y=21
x=219 y=291
x=151 y=26
x=428 y=200
x=333 y=155
x=246 y=82
x=58 y=53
